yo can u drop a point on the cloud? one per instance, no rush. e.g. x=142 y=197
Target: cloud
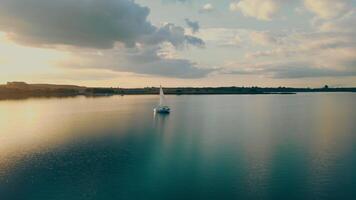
x=328 y=50
x=302 y=54
x=207 y=8
x=264 y=38
x=116 y=27
x=224 y=37
x=295 y=70
x=96 y=24
x=149 y=60
x=327 y=9
x=193 y=25
x=346 y=23
x=259 y=9
x=173 y=34
x=177 y=1
x=278 y=52
x=234 y=41
x=86 y=23
x=305 y=44
x=290 y=70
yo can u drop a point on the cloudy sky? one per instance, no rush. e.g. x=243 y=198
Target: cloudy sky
x=179 y=42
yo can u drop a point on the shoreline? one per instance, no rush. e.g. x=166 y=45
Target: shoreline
x=24 y=97
x=22 y=90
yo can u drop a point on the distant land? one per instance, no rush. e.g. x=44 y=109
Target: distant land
x=20 y=90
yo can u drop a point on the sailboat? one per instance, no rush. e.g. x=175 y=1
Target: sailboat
x=162 y=108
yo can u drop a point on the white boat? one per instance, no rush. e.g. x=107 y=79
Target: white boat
x=162 y=108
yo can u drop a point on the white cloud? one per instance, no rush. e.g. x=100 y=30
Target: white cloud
x=237 y=39
x=263 y=38
x=300 y=10
x=224 y=37
x=259 y=9
x=346 y=23
x=304 y=54
x=327 y=9
x=207 y=8
x=288 y=70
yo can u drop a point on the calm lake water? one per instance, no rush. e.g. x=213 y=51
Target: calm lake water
x=210 y=147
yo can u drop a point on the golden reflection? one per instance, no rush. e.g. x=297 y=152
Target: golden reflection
x=37 y=125
x=329 y=142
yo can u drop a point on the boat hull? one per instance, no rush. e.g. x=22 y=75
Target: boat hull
x=162 y=110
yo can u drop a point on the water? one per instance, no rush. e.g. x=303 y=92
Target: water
x=210 y=147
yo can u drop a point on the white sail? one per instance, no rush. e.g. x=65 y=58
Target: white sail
x=162 y=108
x=161 y=97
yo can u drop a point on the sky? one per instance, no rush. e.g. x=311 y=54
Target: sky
x=126 y=43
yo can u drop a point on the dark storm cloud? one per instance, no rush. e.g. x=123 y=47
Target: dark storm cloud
x=193 y=25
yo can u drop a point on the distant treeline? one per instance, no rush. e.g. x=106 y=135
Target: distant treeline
x=23 y=90
x=14 y=93
x=231 y=90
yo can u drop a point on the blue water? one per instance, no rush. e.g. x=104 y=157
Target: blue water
x=210 y=147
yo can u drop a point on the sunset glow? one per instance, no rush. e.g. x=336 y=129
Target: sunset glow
x=221 y=43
